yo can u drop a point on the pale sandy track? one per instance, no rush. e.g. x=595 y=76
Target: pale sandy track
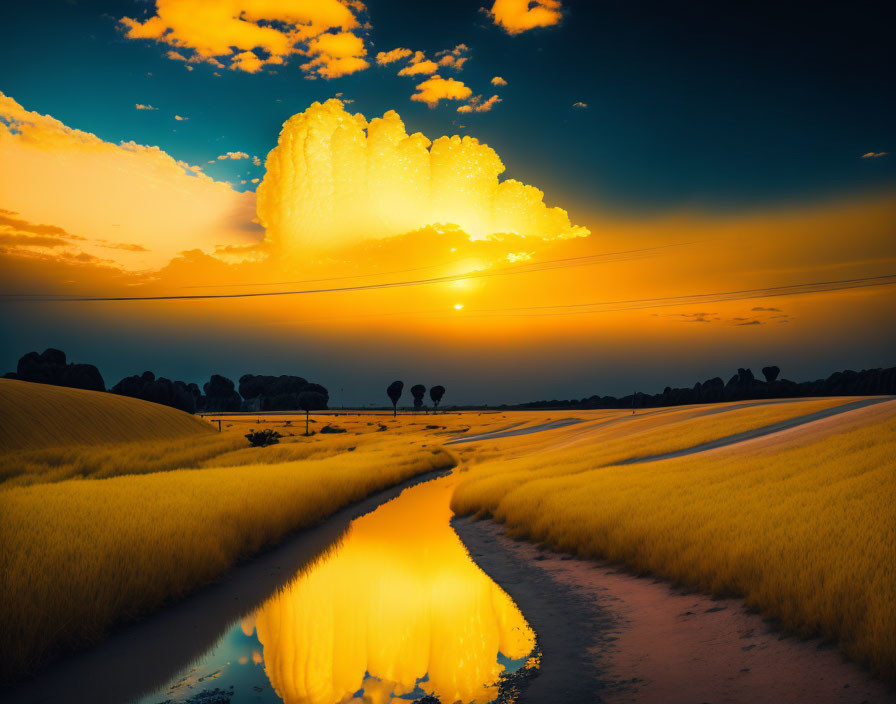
x=778 y=427
x=589 y=426
x=512 y=431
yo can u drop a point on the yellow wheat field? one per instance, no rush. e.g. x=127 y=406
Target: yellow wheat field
x=80 y=556
x=112 y=459
x=38 y=416
x=86 y=548
x=804 y=530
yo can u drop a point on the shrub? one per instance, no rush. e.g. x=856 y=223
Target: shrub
x=262 y=438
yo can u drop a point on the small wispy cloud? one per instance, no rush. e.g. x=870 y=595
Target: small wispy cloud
x=141 y=106
x=454 y=58
x=874 y=155
x=233 y=155
x=498 y=81
x=179 y=118
x=437 y=88
x=125 y=246
x=388 y=57
x=416 y=68
x=478 y=105
x=580 y=105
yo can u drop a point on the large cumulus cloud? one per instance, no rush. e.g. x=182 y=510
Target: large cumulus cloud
x=334 y=178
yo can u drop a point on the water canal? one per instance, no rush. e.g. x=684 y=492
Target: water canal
x=392 y=612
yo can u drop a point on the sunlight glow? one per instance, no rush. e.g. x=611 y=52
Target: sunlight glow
x=335 y=178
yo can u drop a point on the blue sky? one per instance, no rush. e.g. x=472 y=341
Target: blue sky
x=687 y=104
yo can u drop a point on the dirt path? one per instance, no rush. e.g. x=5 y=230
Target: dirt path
x=608 y=636
x=511 y=431
x=567 y=622
x=764 y=430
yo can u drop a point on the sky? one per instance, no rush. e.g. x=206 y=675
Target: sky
x=517 y=200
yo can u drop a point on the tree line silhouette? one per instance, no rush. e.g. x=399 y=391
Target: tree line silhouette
x=260 y=393
x=257 y=392
x=743 y=386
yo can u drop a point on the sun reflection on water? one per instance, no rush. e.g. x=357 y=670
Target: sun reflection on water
x=396 y=611
x=397 y=607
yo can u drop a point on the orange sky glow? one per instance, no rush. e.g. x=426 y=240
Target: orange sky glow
x=417 y=238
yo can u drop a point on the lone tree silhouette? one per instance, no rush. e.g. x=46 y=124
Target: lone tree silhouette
x=394 y=391
x=771 y=373
x=418 y=391
x=311 y=401
x=436 y=393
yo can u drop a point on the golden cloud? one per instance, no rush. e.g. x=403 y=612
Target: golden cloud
x=140 y=106
x=388 y=57
x=21 y=236
x=233 y=155
x=336 y=55
x=452 y=61
x=413 y=69
x=250 y=62
x=252 y=34
x=476 y=104
x=456 y=51
x=335 y=178
x=498 y=81
x=114 y=193
x=453 y=58
x=437 y=88
x=516 y=16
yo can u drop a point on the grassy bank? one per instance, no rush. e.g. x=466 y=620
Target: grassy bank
x=804 y=530
x=80 y=556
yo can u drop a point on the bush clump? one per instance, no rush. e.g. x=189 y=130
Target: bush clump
x=263 y=438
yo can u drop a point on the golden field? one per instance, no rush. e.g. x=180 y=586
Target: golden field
x=82 y=555
x=803 y=528
x=38 y=416
x=123 y=526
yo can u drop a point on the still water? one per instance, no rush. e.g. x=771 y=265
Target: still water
x=393 y=612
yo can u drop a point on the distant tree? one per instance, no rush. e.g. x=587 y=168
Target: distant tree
x=771 y=373
x=220 y=394
x=262 y=438
x=394 y=392
x=311 y=401
x=418 y=391
x=146 y=386
x=51 y=367
x=436 y=393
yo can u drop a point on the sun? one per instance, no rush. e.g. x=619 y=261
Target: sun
x=458 y=306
